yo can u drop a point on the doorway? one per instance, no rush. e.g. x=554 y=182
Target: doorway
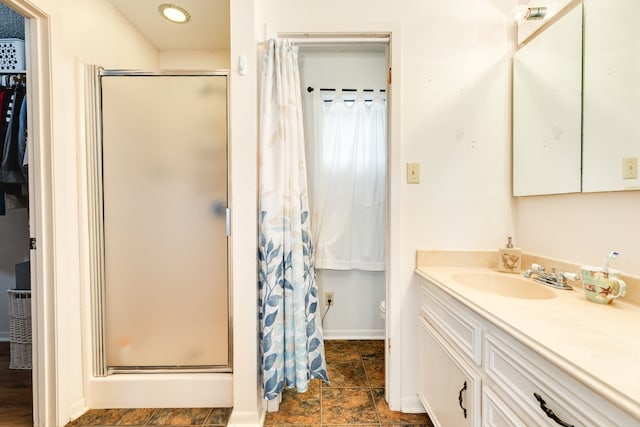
x=358 y=63
x=38 y=212
x=16 y=390
x=353 y=76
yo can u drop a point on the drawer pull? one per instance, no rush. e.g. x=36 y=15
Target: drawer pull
x=549 y=412
x=464 y=410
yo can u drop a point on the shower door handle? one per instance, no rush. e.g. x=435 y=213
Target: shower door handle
x=219 y=209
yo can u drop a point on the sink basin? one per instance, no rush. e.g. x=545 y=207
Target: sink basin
x=504 y=285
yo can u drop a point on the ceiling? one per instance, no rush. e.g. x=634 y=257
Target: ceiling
x=207 y=30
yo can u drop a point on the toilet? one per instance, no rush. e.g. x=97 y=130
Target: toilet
x=383 y=310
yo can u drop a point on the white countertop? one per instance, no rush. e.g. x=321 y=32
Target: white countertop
x=597 y=344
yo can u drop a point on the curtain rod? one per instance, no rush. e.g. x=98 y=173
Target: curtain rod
x=337 y=40
x=311 y=89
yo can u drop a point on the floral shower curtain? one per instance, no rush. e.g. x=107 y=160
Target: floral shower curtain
x=292 y=346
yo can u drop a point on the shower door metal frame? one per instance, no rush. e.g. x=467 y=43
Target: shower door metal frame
x=94 y=134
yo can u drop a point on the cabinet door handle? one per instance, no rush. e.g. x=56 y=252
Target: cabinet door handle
x=549 y=412
x=464 y=410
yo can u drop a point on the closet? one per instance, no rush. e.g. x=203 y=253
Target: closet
x=15 y=294
x=14 y=213
x=13 y=141
x=14 y=159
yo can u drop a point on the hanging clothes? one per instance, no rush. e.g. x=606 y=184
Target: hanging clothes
x=6 y=106
x=292 y=344
x=13 y=139
x=348 y=183
x=11 y=170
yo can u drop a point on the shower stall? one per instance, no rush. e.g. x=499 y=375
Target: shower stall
x=160 y=222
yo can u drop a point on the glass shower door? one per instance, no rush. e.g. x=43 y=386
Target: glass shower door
x=164 y=142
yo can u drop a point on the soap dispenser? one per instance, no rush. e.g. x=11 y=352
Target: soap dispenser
x=509 y=258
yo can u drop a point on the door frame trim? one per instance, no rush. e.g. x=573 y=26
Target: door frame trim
x=38 y=58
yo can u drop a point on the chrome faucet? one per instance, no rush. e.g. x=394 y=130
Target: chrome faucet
x=556 y=279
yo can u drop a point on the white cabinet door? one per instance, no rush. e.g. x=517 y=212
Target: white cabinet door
x=448 y=388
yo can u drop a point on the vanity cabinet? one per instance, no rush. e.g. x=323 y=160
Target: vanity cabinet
x=449 y=382
x=449 y=388
x=508 y=382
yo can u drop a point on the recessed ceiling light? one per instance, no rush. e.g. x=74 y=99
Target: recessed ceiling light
x=174 y=13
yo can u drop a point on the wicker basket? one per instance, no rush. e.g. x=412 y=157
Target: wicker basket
x=12 y=58
x=20 y=329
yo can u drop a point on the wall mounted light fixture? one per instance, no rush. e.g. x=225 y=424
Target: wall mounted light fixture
x=174 y=13
x=535 y=13
x=524 y=13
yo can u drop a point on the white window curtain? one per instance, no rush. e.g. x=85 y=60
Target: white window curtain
x=348 y=180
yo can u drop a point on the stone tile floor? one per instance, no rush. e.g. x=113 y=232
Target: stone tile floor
x=154 y=417
x=354 y=396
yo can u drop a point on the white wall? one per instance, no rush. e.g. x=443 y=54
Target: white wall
x=194 y=60
x=247 y=409
x=14 y=248
x=354 y=314
x=582 y=228
x=453 y=86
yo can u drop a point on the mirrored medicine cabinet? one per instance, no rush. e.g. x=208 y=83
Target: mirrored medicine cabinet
x=576 y=102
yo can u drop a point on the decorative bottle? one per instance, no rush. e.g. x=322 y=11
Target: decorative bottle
x=509 y=258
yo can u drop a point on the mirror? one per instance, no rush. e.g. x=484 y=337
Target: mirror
x=547 y=114
x=609 y=140
x=611 y=110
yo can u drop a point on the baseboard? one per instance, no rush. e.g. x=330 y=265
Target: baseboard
x=411 y=405
x=247 y=419
x=4 y=336
x=77 y=409
x=354 y=334
x=179 y=390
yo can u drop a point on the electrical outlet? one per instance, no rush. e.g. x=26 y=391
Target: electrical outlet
x=328 y=298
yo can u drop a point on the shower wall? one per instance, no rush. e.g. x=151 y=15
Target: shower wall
x=354 y=314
